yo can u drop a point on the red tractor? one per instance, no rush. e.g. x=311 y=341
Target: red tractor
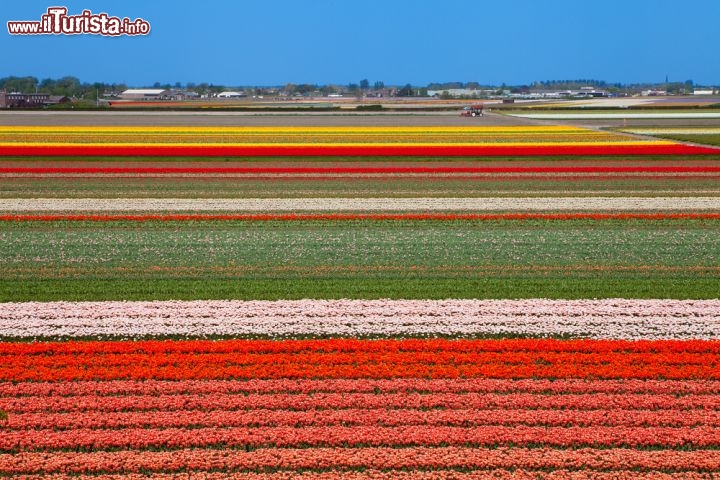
x=472 y=111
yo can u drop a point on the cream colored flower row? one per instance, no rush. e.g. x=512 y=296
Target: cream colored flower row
x=361 y=204
x=609 y=318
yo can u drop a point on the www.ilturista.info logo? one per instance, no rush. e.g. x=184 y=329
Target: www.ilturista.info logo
x=57 y=22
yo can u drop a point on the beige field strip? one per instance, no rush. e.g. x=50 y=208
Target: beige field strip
x=359 y=204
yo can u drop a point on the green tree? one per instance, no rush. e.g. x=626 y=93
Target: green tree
x=406 y=91
x=95 y=91
x=47 y=85
x=305 y=88
x=68 y=86
x=364 y=84
x=19 y=84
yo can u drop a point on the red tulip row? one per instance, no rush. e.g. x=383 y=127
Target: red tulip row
x=324 y=401
x=344 y=358
x=119 y=388
x=407 y=365
x=339 y=435
x=386 y=150
x=364 y=417
x=198 y=460
x=415 y=346
x=365 y=474
x=356 y=217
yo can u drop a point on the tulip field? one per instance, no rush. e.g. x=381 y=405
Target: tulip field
x=339 y=302
x=327 y=141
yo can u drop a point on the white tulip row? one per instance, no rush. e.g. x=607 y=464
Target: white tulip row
x=359 y=204
x=609 y=318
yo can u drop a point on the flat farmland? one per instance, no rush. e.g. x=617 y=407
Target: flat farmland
x=487 y=211
x=253 y=119
x=366 y=258
x=341 y=118
x=346 y=297
x=347 y=177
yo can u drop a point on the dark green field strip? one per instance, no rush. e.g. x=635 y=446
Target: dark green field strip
x=701 y=138
x=360 y=245
x=523 y=222
x=388 y=187
x=86 y=289
x=359 y=259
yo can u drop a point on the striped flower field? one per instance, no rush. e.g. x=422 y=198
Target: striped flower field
x=328 y=141
x=354 y=303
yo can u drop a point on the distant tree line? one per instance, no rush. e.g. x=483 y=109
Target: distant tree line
x=359 y=89
x=66 y=86
x=456 y=85
x=570 y=84
x=671 y=87
x=72 y=87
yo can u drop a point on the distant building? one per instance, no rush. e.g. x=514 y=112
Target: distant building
x=703 y=91
x=144 y=94
x=231 y=95
x=23 y=100
x=58 y=99
x=460 y=93
x=590 y=92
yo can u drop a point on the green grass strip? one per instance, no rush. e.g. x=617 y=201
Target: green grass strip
x=274 y=260
x=705 y=139
x=86 y=289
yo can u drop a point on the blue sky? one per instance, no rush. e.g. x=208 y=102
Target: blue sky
x=235 y=42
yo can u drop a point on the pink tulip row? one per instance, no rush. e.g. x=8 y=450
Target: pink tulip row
x=607 y=318
x=338 y=435
x=384 y=386
x=513 y=474
x=363 y=417
x=365 y=401
x=485 y=204
x=500 y=458
x=433 y=204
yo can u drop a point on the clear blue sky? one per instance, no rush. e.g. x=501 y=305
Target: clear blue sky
x=251 y=42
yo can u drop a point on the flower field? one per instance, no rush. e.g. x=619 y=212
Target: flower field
x=328 y=141
x=357 y=302
x=599 y=319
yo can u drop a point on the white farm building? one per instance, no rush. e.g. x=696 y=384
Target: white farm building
x=231 y=95
x=143 y=94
